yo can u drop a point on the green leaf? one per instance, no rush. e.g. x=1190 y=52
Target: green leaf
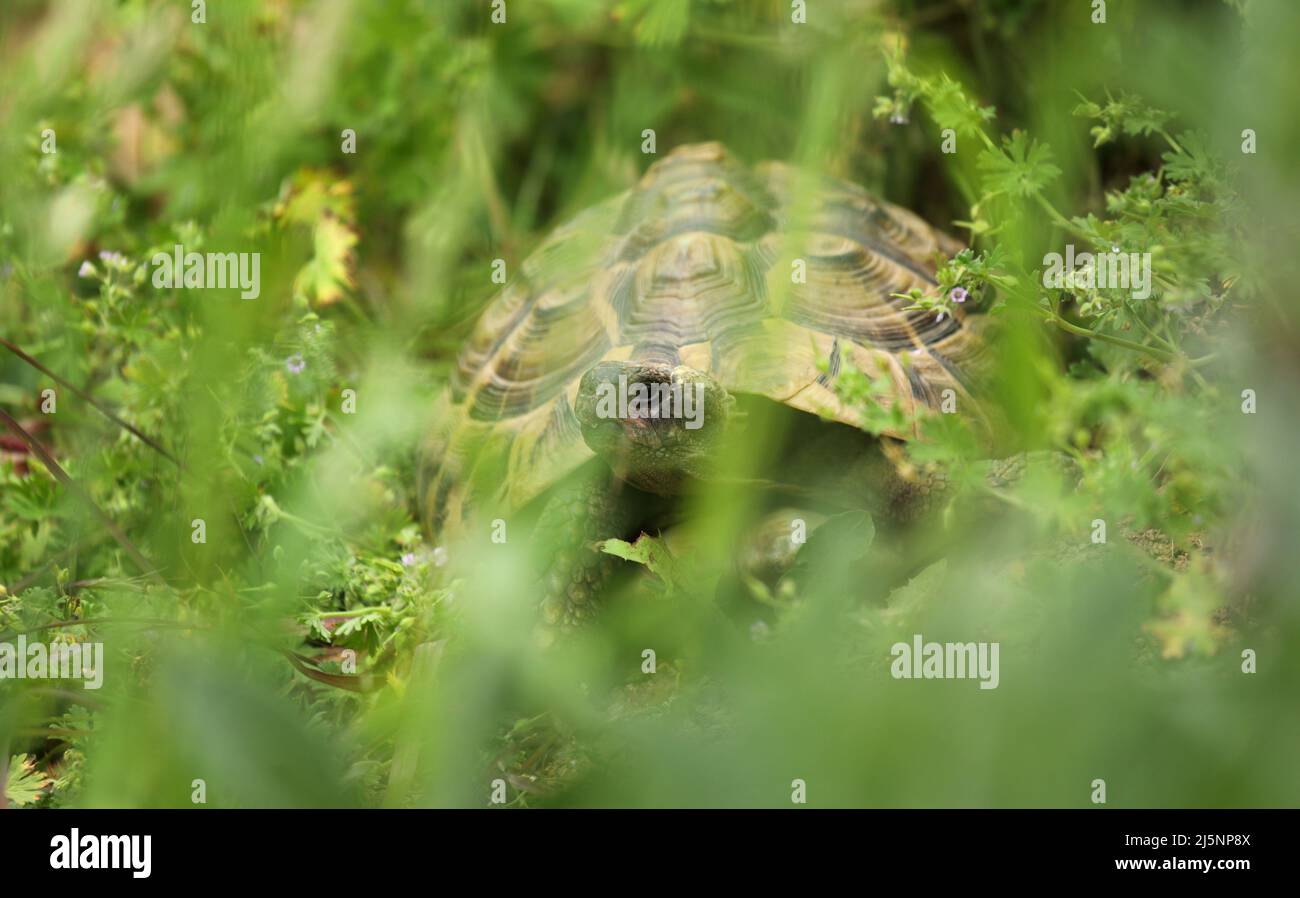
x=1021 y=168
x=328 y=275
x=1195 y=163
x=1128 y=114
x=840 y=540
x=951 y=108
x=649 y=551
x=664 y=22
x=1188 y=623
x=917 y=592
x=23 y=781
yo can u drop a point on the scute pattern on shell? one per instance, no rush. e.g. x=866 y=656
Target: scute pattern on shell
x=693 y=266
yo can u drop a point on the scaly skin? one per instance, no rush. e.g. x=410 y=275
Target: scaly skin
x=659 y=455
x=573 y=520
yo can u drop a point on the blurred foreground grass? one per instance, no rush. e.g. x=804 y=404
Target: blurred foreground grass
x=1120 y=662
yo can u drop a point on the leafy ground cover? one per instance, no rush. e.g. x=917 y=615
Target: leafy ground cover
x=222 y=491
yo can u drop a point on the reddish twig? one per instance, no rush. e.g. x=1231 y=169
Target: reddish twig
x=72 y=486
x=82 y=394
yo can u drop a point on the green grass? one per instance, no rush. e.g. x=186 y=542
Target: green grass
x=315 y=649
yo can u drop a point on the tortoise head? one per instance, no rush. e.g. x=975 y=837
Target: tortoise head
x=657 y=426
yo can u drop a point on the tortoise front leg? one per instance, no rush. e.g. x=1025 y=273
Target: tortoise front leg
x=574 y=519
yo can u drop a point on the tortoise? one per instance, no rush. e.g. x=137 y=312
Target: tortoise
x=671 y=292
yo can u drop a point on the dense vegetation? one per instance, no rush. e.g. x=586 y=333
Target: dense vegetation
x=314 y=648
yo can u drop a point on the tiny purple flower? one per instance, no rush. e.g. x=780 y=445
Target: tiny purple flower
x=258 y=459
x=939 y=317
x=295 y=363
x=958 y=294
x=86 y=270
x=408 y=560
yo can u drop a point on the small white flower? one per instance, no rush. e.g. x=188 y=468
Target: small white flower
x=439 y=556
x=86 y=270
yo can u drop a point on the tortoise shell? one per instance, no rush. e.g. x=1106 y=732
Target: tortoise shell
x=696 y=265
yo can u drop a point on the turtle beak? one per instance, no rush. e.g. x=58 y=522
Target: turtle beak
x=650 y=421
x=647 y=398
